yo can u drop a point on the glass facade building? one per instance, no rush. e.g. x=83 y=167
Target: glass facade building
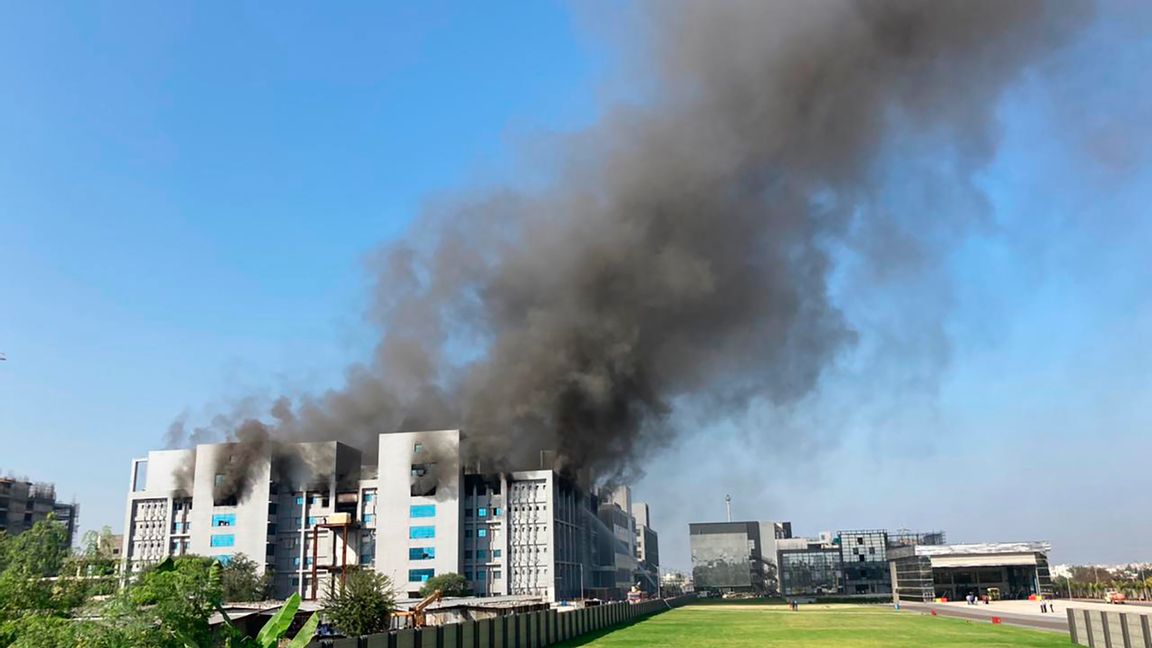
x=810 y=571
x=864 y=556
x=854 y=563
x=735 y=556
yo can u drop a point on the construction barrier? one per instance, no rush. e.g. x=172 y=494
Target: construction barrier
x=527 y=630
x=1109 y=629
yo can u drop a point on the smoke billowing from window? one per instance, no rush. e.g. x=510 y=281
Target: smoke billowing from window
x=684 y=248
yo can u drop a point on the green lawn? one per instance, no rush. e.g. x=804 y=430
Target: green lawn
x=831 y=626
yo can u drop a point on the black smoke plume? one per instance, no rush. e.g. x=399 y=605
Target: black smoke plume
x=683 y=250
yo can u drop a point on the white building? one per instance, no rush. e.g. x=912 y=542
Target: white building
x=309 y=511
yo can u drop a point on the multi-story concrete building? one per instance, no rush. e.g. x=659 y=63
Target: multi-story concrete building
x=307 y=512
x=647 y=549
x=736 y=556
x=24 y=503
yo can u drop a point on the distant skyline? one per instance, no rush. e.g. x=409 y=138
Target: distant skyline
x=190 y=196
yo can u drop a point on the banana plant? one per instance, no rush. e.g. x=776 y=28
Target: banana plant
x=270 y=635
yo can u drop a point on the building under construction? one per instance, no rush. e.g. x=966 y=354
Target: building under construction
x=308 y=512
x=24 y=503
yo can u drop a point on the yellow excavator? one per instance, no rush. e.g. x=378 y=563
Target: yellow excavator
x=414 y=615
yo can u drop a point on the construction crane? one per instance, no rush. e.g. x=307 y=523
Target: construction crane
x=415 y=614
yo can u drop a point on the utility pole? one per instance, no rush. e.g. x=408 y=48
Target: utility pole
x=728 y=506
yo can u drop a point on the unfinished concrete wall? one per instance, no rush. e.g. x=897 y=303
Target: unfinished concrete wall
x=1108 y=629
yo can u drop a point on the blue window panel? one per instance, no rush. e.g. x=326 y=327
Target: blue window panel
x=224 y=520
x=420 y=575
x=495 y=553
x=308 y=561
x=495 y=511
x=223 y=540
x=224 y=560
x=422 y=510
x=481 y=574
x=481 y=533
x=481 y=554
x=296 y=561
x=421 y=532
x=421 y=553
x=369 y=518
x=481 y=512
x=467 y=533
x=299 y=500
x=369 y=497
x=313 y=520
x=468 y=575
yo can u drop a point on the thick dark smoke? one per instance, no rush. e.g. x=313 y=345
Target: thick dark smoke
x=684 y=249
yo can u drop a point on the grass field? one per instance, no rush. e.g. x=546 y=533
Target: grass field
x=831 y=626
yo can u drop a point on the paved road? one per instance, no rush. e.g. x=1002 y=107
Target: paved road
x=1078 y=601
x=1055 y=622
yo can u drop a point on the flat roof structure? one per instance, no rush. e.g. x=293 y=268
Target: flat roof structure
x=1010 y=570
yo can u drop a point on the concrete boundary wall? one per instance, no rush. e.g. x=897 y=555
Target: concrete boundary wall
x=1110 y=629
x=548 y=628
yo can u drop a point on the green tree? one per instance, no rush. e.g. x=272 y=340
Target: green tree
x=39 y=551
x=362 y=605
x=241 y=580
x=178 y=596
x=449 y=584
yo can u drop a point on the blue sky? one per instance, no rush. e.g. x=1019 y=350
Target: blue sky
x=188 y=194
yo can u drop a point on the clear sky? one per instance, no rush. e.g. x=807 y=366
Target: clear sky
x=188 y=193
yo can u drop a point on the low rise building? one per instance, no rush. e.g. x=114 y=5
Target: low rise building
x=1009 y=570
x=852 y=563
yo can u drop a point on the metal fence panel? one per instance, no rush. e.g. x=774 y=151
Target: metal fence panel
x=468 y=634
x=484 y=633
x=406 y=639
x=450 y=636
x=500 y=632
x=379 y=640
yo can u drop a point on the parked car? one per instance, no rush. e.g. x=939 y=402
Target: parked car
x=1112 y=596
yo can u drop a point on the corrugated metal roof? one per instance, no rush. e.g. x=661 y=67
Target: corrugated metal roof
x=983 y=548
